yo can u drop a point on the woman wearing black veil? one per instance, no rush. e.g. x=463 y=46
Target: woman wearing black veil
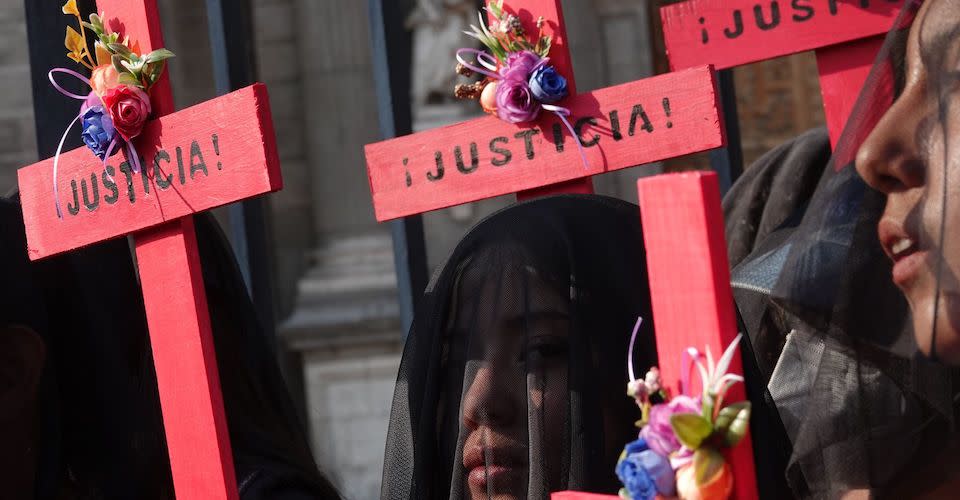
x=88 y=412
x=851 y=395
x=512 y=382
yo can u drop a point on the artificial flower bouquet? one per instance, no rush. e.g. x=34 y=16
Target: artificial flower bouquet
x=118 y=104
x=519 y=81
x=679 y=450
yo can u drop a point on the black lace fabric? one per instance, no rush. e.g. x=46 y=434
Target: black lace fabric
x=513 y=378
x=847 y=377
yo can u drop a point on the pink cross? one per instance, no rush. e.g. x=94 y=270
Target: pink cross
x=212 y=154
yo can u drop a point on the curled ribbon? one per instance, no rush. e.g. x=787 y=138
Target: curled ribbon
x=487 y=66
x=633 y=338
x=131 y=151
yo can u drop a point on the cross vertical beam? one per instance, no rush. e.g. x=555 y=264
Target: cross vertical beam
x=690 y=286
x=552 y=11
x=195 y=424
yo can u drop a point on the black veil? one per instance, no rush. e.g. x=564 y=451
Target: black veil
x=864 y=407
x=512 y=379
x=100 y=429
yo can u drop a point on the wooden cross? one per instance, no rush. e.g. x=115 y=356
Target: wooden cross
x=209 y=155
x=690 y=286
x=846 y=34
x=636 y=123
x=690 y=291
x=623 y=126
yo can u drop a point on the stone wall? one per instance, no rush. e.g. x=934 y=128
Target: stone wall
x=18 y=146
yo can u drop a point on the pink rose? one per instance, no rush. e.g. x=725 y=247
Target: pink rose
x=658 y=432
x=129 y=108
x=519 y=65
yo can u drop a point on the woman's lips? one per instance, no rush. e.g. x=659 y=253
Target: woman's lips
x=481 y=475
x=902 y=248
x=907 y=266
x=493 y=467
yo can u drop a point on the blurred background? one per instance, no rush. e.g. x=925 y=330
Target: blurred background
x=336 y=305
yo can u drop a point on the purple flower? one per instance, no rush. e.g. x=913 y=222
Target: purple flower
x=644 y=473
x=98 y=130
x=658 y=432
x=547 y=85
x=519 y=66
x=515 y=102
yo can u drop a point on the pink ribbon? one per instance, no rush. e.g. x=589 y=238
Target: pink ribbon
x=487 y=66
x=63 y=138
x=633 y=338
x=131 y=150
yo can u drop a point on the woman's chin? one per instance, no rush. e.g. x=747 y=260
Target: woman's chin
x=944 y=323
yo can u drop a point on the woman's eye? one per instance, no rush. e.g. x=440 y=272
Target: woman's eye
x=545 y=348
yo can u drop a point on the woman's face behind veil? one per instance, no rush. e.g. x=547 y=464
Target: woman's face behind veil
x=512 y=325
x=912 y=156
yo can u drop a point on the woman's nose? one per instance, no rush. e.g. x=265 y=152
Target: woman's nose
x=490 y=400
x=891 y=160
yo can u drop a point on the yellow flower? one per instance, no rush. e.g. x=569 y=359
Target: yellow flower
x=74 y=41
x=71 y=8
x=103 y=55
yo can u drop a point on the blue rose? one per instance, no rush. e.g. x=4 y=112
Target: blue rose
x=98 y=130
x=644 y=473
x=547 y=85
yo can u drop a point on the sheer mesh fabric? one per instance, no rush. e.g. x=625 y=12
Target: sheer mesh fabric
x=863 y=406
x=512 y=382
x=99 y=431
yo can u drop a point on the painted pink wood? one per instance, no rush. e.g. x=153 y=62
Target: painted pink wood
x=194 y=420
x=843 y=71
x=195 y=424
x=231 y=136
x=690 y=286
x=801 y=25
x=846 y=36
x=579 y=495
x=683 y=116
x=206 y=156
x=552 y=12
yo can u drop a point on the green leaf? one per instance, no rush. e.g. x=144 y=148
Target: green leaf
x=119 y=48
x=733 y=421
x=495 y=9
x=128 y=79
x=707 y=463
x=158 y=55
x=118 y=64
x=691 y=429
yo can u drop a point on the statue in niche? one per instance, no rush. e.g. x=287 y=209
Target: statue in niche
x=438 y=27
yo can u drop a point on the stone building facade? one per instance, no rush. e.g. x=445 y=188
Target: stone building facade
x=334 y=275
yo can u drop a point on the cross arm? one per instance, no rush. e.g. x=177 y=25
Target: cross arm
x=632 y=124
x=196 y=159
x=730 y=33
